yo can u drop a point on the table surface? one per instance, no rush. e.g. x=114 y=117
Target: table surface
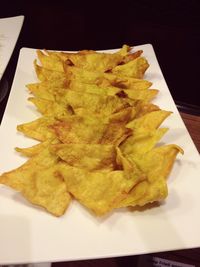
x=192 y=123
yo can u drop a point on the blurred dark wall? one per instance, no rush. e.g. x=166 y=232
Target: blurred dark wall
x=173 y=27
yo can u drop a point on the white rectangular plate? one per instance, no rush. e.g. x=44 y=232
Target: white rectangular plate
x=9 y=33
x=28 y=234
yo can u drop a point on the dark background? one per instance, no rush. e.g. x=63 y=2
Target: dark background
x=172 y=27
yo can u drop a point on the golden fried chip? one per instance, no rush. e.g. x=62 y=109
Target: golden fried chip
x=79 y=86
x=145 y=192
x=92 y=102
x=136 y=193
x=89 y=130
x=150 y=120
x=142 y=141
x=90 y=157
x=156 y=191
x=101 y=79
x=99 y=61
x=158 y=162
x=143 y=107
x=134 y=68
x=125 y=82
x=40 y=186
x=36 y=149
x=146 y=95
x=45 y=89
x=123 y=116
x=38 y=129
x=64 y=56
x=132 y=56
x=57 y=101
x=124 y=51
x=41 y=90
x=98 y=191
x=90 y=60
x=50 y=62
x=51 y=108
x=44 y=74
x=40 y=183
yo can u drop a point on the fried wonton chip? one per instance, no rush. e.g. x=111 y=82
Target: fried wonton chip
x=51 y=108
x=92 y=102
x=38 y=129
x=123 y=116
x=99 y=191
x=156 y=164
x=41 y=90
x=125 y=82
x=91 y=60
x=40 y=183
x=143 y=107
x=132 y=56
x=50 y=62
x=142 y=141
x=79 y=86
x=145 y=192
x=143 y=94
x=150 y=120
x=98 y=61
x=103 y=79
x=146 y=95
x=88 y=130
x=135 y=194
x=36 y=149
x=90 y=157
x=71 y=102
x=44 y=74
x=46 y=91
x=158 y=161
x=96 y=129
x=124 y=53
x=134 y=68
x=156 y=191
x=47 y=86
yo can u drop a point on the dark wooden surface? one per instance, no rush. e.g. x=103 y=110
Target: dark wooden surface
x=193 y=125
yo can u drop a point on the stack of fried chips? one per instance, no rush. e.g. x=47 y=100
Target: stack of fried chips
x=98 y=134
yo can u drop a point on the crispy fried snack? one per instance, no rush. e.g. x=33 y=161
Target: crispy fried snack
x=40 y=183
x=97 y=134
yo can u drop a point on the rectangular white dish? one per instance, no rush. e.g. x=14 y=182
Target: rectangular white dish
x=28 y=235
